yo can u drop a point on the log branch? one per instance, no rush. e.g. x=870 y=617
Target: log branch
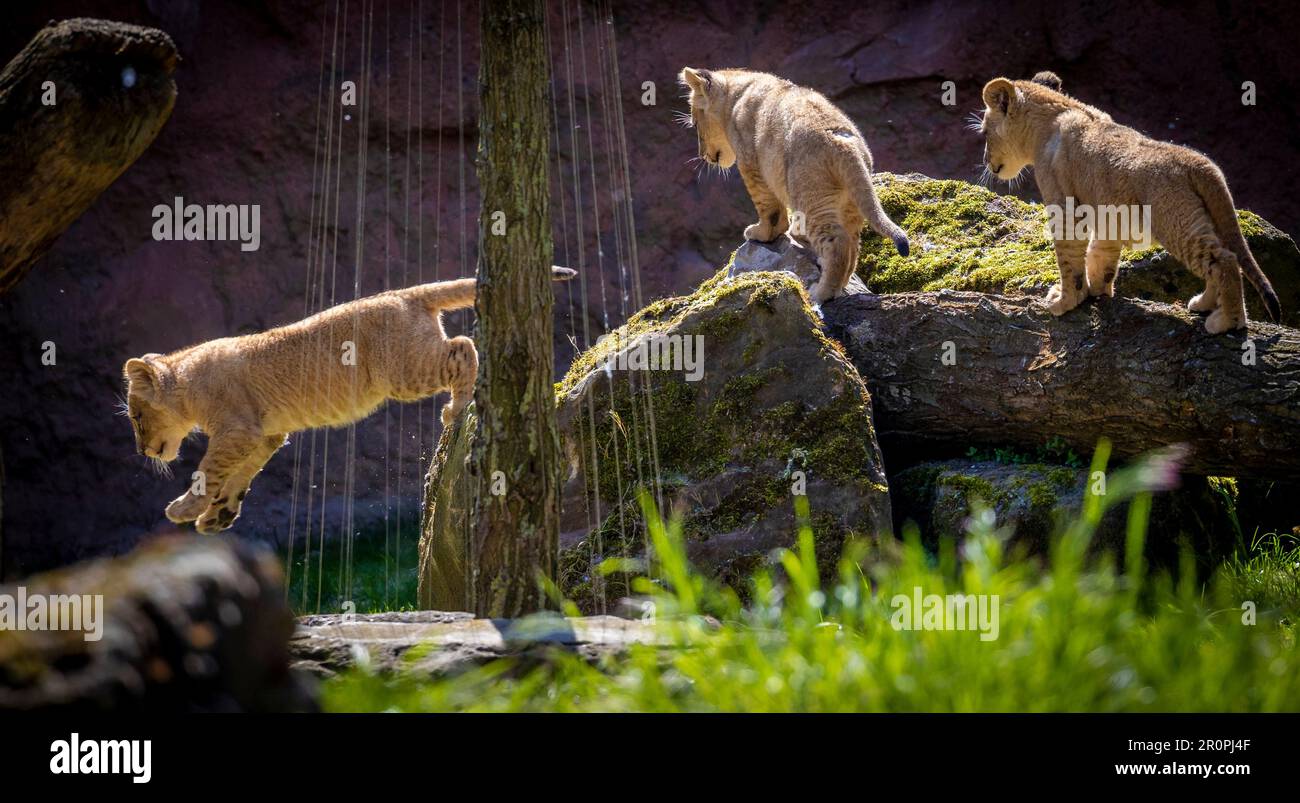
x=78 y=106
x=949 y=370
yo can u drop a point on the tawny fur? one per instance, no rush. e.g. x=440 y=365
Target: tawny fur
x=796 y=152
x=248 y=393
x=1080 y=152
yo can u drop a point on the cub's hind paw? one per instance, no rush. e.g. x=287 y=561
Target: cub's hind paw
x=1203 y=302
x=1221 y=321
x=1058 y=303
x=218 y=517
x=1103 y=290
x=185 y=508
x=759 y=232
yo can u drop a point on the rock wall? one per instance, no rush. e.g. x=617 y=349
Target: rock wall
x=244 y=130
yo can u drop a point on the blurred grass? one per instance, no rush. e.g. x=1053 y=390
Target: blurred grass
x=1078 y=636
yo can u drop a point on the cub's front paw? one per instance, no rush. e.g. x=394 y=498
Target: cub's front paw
x=760 y=232
x=216 y=518
x=1058 y=303
x=186 y=508
x=820 y=293
x=448 y=415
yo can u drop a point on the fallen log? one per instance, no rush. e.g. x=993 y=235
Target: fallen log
x=182 y=623
x=78 y=105
x=949 y=370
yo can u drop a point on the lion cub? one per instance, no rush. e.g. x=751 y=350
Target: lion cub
x=797 y=154
x=1079 y=153
x=336 y=367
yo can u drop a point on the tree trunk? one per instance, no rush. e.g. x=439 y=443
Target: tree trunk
x=516 y=455
x=78 y=105
x=949 y=370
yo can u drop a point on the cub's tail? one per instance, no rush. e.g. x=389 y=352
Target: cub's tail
x=459 y=293
x=864 y=195
x=1213 y=189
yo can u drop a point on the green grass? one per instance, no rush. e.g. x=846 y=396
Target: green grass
x=1269 y=574
x=1078 y=636
x=381 y=576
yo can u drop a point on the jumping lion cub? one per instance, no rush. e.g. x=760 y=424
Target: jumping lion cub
x=248 y=393
x=1080 y=153
x=797 y=153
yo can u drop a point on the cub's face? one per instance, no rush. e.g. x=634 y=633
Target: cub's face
x=708 y=116
x=159 y=427
x=1005 y=152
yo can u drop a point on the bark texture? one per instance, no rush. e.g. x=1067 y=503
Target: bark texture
x=516 y=455
x=958 y=369
x=78 y=105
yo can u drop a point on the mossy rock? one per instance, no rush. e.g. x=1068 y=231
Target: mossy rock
x=1032 y=501
x=966 y=237
x=776 y=401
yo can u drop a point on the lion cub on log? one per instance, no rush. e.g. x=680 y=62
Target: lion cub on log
x=336 y=367
x=1080 y=154
x=797 y=153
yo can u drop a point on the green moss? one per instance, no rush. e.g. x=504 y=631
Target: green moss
x=667 y=313
x=965 y=237
x=1225 y=486
x=1252 y=225
x=1062 y=478
x=974 y=488
x=1042 y=496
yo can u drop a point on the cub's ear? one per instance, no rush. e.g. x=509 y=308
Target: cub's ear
x=144 y=370
x=139 y=372
x=1048 y=79
x=999 y=93
x=699 y=81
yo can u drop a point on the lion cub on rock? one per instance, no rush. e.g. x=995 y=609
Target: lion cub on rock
x=797 y=153
x=1079 y=153
x=336 y=367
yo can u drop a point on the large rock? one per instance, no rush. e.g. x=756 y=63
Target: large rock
x=775 y=407
x=966 y=237
x=184 y=624
x=775 y=401
x=1035 y=500
x=434 y=643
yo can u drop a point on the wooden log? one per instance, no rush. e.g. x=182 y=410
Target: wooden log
x=949 y=370
x=183 y=623
x=78 y=105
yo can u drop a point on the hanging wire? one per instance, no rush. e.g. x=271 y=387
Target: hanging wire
x=311 y=238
